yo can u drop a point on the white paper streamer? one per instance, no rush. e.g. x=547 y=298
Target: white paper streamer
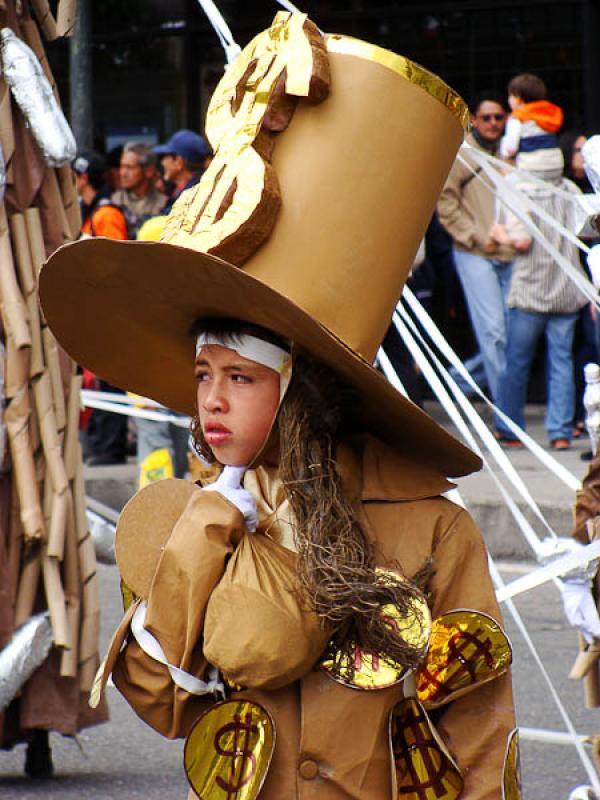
x=33 y=94
x=126 y=407
x=231 y=48
x=439 y=341
x=522 y=206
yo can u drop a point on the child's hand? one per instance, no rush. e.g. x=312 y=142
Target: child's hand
x=490 y=246
x=499 y=233
x=522 y=245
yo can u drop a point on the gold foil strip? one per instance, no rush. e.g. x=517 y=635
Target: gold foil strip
x=424 y=769
x=511 y=779
x=401 y=65
x=371 y=670
x=466 y=649
x=239 y=183
x=228 y=751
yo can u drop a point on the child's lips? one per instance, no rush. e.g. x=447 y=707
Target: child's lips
x=215 y=433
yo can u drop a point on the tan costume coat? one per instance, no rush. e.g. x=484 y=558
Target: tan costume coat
x=332 y=742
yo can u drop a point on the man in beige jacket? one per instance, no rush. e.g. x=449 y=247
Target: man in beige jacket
x=467 y=209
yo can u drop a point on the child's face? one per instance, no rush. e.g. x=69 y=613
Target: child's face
x=514 y=101
x=237 y=402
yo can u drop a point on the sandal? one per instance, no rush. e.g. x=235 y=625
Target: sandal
x=560 y=444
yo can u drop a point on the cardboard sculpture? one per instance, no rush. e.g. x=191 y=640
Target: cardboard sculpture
x=47 y=559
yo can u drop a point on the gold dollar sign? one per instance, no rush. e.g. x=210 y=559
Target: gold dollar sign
x=239 y=751
x=423 y=769
x=233 y=208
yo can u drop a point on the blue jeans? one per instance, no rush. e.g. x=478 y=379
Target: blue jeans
x=524 y=331
x=485 y=283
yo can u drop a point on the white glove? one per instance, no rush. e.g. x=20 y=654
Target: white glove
x=229 y=485
x=580 y=608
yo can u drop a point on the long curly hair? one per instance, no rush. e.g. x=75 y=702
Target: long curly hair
x=336 y=568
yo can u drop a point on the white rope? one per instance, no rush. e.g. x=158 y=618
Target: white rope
x=142 y=413
x=231 y=48
x=444 y=398
x=574 y=737
x=116 y=397
x=151 y=646
x=521 y=205
x=555 y=569
x=440 y=342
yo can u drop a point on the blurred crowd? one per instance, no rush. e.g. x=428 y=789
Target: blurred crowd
x=127 y=194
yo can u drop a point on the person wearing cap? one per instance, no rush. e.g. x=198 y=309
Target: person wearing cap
x=298 y=617
x=183 y=159
x=100 y=217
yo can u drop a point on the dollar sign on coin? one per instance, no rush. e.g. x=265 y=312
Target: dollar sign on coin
x=423 y=770
x=243 y=761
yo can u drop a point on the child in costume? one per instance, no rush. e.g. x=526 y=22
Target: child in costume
x=318 y=621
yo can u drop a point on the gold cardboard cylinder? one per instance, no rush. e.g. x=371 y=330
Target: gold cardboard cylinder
x=45 y=19
x=16 y=418
x=50 y=442
x=15 y=542
x=22 y=255
x=28 y=584
x=36 y=238
x=16 y=373
x=71 y=446
x=55 y=597
x=57 y=526
x=65 y=17
x=70 y=658
x=591 y=687
x=58 y=395
x=13 y=309
x=7 y=135
x=70 y=201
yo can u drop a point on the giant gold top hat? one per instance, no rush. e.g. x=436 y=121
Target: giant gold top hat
x=329 y=157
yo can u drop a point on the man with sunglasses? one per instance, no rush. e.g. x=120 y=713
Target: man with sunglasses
x=467 y=209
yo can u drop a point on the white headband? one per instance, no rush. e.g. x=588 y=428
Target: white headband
x=250 y=347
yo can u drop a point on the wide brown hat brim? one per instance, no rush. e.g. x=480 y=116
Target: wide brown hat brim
x=124 y=310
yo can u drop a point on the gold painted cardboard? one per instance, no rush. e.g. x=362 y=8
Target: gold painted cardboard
x=228 y=751
x=359 y=175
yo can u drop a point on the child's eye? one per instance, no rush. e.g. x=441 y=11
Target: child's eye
x=201 y=376
x=238 y=377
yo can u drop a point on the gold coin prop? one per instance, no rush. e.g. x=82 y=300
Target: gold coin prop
x=228 y=751
x=466 y=649
x=424 y=771
x=362 y=669
x=511 y=782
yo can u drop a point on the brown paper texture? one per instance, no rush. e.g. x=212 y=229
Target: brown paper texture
x=22 y=255
x=71 y=446
x=66 y=182
x=17 y=418
x=53 y=362
x=58 y=525
x=55 y=598
x=65 y=17
x=28 y=584
x=36 y=239
x=13 y=309
x=50 y=441
x=47 y=23
x=7 y=136
x=16 y=370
